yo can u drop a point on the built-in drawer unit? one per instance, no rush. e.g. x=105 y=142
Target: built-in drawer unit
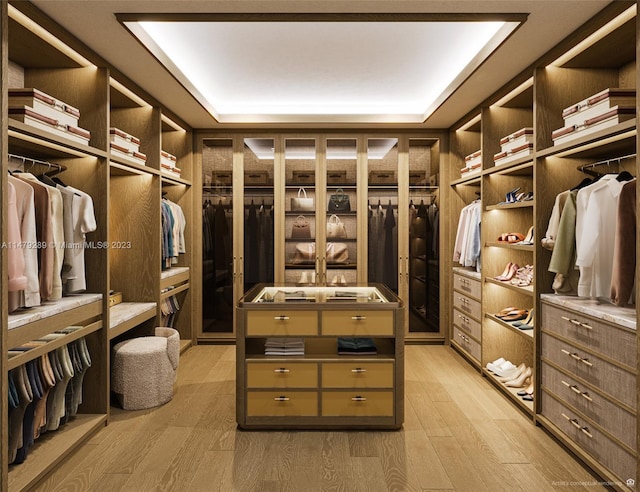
x=467 y=324
x=283 y=403
x=590 y=368
x=357 y=374
x=467 y=285
x=364 y=323
x=282 y=374
x=614 y=457
x=357 y=403
x=463 y=340
x=282 y=323
x=619 y=422
x=604 y=338
x=467 y=305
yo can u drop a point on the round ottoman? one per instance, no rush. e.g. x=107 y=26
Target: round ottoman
x=144 y=369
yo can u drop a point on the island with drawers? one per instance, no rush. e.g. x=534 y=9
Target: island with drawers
x=337 y=363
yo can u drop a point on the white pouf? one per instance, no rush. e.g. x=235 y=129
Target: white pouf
x=145 y=369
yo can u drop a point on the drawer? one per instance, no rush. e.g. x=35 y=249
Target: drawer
x=282 y=323
x=357 y=404
x=469 y=344
x=605 y=376
x=282 y=404
x=591 y=440
x=467 y=305
x=467 y=285
x=604 y=338
x=615 y=420
x=361 y=323
x=282 y=375
x=470 y=325
x=357 y=375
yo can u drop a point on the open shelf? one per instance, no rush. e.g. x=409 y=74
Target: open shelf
x=525 y=333
x=522 y=290
x=127 y=315
x=520 y=247
x=511 y=393
x=174 y=276
x=507 y=206
x=51 y=448
x=174 y=291
x=173 y=180
x=123 y=169
x=519 y=167
x=468 y=181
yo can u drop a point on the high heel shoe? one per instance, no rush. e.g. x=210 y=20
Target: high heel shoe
x=519 y=382
x=512 y=271
x=526 y=324
x=505 y=273
x=510 y=197
x=528 y=240
x=528 y=390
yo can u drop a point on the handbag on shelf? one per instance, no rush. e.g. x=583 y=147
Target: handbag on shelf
x=337 y=253
x=336 y=228
x=301 y=228
x=339 y=202
x=306 y=253
x=302 y=203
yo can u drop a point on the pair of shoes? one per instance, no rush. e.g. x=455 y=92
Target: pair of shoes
x=528 y=240
x=338 y=281
x=509 y=375
x=523 y=277
x=509 y=271
x=528 y=197
x=505 y=369
x=527 y=324
x=514 y=315
x=493 y=366
x=510 y=237
x=528 y=390
x=510 y=196
x=519 y=380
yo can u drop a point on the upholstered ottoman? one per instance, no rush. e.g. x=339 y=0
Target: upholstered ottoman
x=144 y=369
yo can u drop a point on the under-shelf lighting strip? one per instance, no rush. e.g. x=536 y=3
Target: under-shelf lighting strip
x=172 y=123
x=45 y=35
x=469 y=123
x=127 y=92
x=515 y=92
x=593 y=38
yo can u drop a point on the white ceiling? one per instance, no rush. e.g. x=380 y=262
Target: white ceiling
x=548 y=22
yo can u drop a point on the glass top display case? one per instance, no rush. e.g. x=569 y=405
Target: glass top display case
x=275 y=294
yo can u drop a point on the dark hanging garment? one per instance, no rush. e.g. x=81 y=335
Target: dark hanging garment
x=390 y=271
x=251 y=246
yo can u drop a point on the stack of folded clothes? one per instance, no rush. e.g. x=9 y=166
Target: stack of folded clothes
x=356 y=346
x=284 y=346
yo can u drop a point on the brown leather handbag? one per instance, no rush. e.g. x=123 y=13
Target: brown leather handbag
x=301 y=229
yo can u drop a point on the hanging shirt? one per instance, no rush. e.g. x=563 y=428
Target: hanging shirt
x=84 y=223
x=15 y=256
x=624 y=253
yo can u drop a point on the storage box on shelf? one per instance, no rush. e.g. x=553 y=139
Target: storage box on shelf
x=515 y=146
x=126 y=147
x=320 y=389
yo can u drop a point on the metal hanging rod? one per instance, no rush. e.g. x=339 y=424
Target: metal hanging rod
x=606 y=162
x=50 y=165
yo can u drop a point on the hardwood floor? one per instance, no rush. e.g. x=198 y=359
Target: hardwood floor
x=459 y=434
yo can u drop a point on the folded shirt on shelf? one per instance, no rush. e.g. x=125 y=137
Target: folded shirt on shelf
x=284 y=346
x=356 y=346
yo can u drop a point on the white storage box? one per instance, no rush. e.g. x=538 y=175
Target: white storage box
x=123 y=140
x=513 y=154
x=598 y=104
x=167 y=159
x=172 y=171
x=473 y=159
x=516 y=140
x=613 y=117
x=128 y=155
x=30 y=117
x=44 y=105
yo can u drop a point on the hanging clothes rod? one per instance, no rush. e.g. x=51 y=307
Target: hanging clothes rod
x=607 y=162
x=56 y=168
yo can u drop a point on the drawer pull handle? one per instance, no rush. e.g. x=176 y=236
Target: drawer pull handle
x=282 y=370
x=565 y=318
x=358 y=318
x=588 y=327
x=575 y=322
x=575 y=423
x=585 y=430
x=586 y=396
x=566 y=417
x=586 y=361
x=358 y=398
x=566 y=384
x=575 y=389
x=281 y=318
x=358 y=370
x=565 y=352
x=281 y=398
x=575 y=356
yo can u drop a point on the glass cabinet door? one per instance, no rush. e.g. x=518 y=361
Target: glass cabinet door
x=217 y=236
x=382 y=202
x=258 y=223
x=340 y=265
x=301 y=258
x=423 y=274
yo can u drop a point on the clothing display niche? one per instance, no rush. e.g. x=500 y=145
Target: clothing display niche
x=48 y=222
x=173 y=227
x=591 y=233
x=466 y=250
x=383 y=244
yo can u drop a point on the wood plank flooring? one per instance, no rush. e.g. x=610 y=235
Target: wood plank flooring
x=459 y=434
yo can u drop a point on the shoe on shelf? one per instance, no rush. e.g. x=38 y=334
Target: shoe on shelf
x=334 y=280
x=513 y=374
x=304 y=279
x=526 y=324
x=505 y=273
x=527 y=397
x=510 y=237
x=528 y=197
x=523 y=277
x=492 y=366
x=510 y=274
x=504 y=312
x=510 y=196
x=528 y=240
x=516 y=316
x=505 y=369
x=521 y=380
x=528 y=390
x=342 y=281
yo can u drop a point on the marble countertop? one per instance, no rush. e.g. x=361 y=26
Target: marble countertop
x=125 y=311
x=50 y=308
x=467 y=273
x=623 y=316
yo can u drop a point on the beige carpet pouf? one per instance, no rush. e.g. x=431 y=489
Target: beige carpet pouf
x=144 y=369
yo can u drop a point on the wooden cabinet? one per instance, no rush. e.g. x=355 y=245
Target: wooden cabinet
x=320 y=389
x=589 y=382
x=123 y=252
x=327 y=198
x=467 y=314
